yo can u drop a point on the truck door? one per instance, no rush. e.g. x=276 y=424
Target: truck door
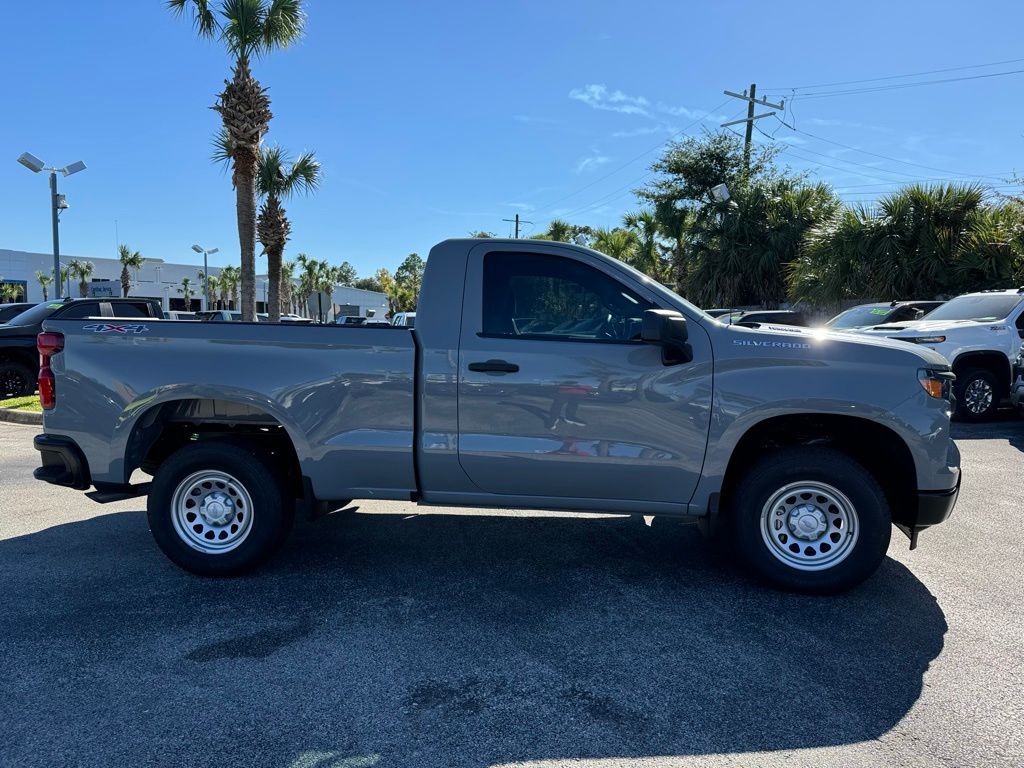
x=558 y=397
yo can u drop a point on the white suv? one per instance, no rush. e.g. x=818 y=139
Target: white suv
x=980 y=334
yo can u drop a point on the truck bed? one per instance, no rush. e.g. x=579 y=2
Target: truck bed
x=344 y=394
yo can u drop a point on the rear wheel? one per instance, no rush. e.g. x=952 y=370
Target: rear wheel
x=216 y=509
x=16 y=380
x=977 y=394
x=810 y=520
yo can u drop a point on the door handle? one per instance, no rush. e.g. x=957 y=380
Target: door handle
x=494 y=366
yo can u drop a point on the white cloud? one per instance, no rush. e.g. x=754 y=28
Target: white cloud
x=590 y=162
x=644 y=130
x=598 y=96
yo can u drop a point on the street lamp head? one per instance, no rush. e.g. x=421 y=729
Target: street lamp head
x=74 y=168
x=31 y=162
x=720 y=193
x=197 y=249
x=212 y=251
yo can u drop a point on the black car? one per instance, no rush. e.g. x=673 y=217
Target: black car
x=10 y=311
x=755 y=317
x=19 y=359
x=867 y=315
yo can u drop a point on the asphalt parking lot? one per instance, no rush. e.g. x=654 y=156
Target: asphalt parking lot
x=389 y=637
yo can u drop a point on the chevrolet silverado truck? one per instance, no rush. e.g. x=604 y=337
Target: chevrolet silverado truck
x=538 y=375
x=979 y=334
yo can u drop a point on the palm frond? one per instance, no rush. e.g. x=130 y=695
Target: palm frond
x=283 y=24
x=223 y=148
x=242 y=27
x=203 y=19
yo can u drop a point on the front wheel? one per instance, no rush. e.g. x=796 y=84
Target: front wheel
x=810 y=519
x=217 y=510
x=977 y=394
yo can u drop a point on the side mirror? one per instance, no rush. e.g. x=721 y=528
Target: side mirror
x=667 y=328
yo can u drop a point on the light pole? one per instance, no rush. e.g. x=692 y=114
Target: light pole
x=57 y=203
x=206 y=273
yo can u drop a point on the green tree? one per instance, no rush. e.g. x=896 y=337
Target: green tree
x=647 y=256
x=564 y=232
x=230 y=277
x=248 y=28
x=618 y=243
x=345 y=274
x=482 y=234
x=45 y=280
x=738 y=251
x=81 y=271
x=129 y=260
x=10 y=292
x=186 y=291
x=408 y=281
x=288 y=287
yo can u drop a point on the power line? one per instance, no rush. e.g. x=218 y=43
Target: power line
x=646 y=152
x=898 y=77
x=884 y=157
x=899 y=86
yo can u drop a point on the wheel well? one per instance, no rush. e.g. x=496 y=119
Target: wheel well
x=165 y=428
x=876 y=447
x=996 y=362
x=22 y=357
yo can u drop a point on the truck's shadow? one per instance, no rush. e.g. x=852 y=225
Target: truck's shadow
x=440 y=640
x=1007 y=425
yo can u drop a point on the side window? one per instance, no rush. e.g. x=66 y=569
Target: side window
x=551 y=297
x=79 y=310
x=130 y=309
x=1020 y=323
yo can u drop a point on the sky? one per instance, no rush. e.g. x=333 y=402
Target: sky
x=433 y=120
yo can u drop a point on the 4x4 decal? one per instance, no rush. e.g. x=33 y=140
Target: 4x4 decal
x=116 y=328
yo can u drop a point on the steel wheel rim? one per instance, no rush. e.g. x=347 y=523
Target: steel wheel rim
x=809 y=525
x=978 y=396
x=212 y=512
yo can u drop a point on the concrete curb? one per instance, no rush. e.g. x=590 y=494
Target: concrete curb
x=21 y=417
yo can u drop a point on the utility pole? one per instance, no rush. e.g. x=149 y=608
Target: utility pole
x=751 y=99
x=517 y=223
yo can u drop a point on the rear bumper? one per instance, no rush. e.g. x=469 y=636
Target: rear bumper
x=63 y=462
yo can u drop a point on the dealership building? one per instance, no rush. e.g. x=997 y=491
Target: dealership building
x=160 y=280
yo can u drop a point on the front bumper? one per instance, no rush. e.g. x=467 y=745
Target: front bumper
x=933 y=507
x=63 y=462
x=1017 y=390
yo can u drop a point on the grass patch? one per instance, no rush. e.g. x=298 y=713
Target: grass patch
x=27 y=403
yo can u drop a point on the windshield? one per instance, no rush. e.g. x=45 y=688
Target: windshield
x=869 y=314
x=981 y=308
x=37 y=314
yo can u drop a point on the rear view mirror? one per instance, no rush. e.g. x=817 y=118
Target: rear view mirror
x=667 y=328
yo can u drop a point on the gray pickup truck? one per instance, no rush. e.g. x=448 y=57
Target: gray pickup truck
x=539 y=375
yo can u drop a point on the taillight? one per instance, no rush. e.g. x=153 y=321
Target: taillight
x=48 y=344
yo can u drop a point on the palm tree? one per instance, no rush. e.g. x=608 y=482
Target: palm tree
x=248 y=28
x=618 y=243
x=81 y=271
x=278 y=179
x=65 y=280
x=647 y=257
x=45 y=280
x=10 y=292
x=129 y=259
x=230 y=276
x=185 y=289
x=288 y=286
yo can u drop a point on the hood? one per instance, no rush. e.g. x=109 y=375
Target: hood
x=914 y=328
x=829 y=343
x=10 y=331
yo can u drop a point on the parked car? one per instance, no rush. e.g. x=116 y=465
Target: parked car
x=755 y=317
x=540 y=375
x=227 y=316
x=867 y=315
x=10 y=311
x=719 y=312
x=19 y=359
x=404 y=319
x=174 y=314
x=979 y=334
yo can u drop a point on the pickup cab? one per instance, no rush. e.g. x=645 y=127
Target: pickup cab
x=979 y=334
x=538 y=375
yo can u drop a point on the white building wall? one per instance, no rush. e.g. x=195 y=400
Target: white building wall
x=156 y=279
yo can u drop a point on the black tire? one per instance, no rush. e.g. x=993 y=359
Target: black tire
x=967 y=403
x=16 y=379
x=862 y=544
x=258 y=506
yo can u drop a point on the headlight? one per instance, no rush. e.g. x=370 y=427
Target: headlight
x=936 y=383
x=924 y=339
